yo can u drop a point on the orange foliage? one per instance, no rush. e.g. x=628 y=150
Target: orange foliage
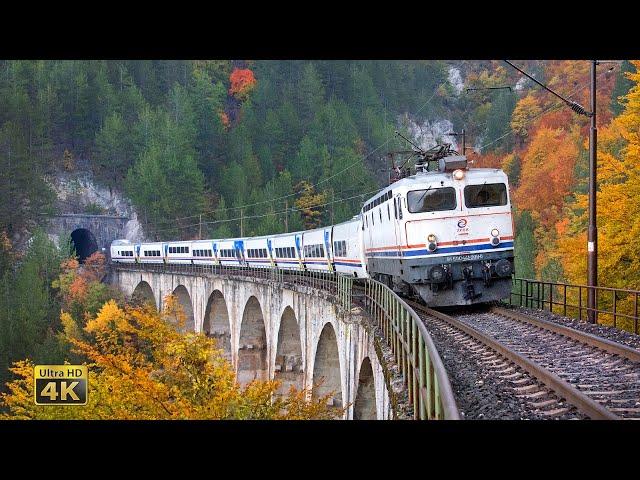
x=94 y=267
x=486 y=160
x=75 y=280
x=224 y=118
x=556 y=119
x=242 y=82
x=547 y=174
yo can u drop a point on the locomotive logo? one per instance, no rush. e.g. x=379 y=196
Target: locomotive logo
x=463 y=227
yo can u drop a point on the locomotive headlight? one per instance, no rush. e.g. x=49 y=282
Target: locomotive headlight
x=431 y=245
x=495 y=239
x=458 y=174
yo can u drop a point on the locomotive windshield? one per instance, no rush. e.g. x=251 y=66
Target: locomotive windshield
x=485 y=195
x=431 y=200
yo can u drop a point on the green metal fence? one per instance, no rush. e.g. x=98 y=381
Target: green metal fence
x=422 y=370
x=616 y=307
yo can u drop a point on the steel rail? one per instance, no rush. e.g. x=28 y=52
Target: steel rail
x=583 y=337
x=562 y=388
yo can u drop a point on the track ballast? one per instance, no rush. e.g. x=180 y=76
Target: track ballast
x=551 y=370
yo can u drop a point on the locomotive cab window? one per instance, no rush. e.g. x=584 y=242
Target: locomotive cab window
x=431 y=200
x=485 y=195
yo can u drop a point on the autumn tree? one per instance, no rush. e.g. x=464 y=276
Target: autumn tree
x=142 y=368
x=81 y=289
x=308 y=202
x=618 y=196
x=243 y=81
x=525 y=111
x=546 y=175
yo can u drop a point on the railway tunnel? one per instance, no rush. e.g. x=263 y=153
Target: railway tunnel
x=83 y=243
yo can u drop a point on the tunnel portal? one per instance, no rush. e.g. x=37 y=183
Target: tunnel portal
x=83 y=243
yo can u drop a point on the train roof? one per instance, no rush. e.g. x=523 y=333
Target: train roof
x=420 y=178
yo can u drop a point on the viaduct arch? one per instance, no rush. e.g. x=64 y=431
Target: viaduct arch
x=267 y=330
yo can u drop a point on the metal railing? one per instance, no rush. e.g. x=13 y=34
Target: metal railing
x=423 y=373
x=617 y=307
x=335 y=284
x=422 y=370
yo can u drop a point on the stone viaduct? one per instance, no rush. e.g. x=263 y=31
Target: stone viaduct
x=267 y=329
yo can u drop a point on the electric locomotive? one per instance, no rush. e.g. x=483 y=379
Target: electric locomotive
x=444 y=233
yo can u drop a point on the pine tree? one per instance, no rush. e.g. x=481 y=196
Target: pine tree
x=309 y=204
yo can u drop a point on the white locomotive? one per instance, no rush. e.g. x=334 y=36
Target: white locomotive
x=445 y=235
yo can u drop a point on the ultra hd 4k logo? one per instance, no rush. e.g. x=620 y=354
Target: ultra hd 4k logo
x=60 y=384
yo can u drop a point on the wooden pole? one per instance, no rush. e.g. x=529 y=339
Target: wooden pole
x=286 y=216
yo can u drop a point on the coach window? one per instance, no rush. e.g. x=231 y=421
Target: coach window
x=485 y=195
x=431 y=200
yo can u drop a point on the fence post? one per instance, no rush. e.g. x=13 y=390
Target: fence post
x=635 y=315
x=414 y=358
x=615 y=323
x=421 y=378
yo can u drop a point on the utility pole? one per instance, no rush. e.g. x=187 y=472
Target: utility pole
x=592 y=240
x=241 y=223
x=200 y=227
x=286 y=216
x=333 y=196
x=461 y=134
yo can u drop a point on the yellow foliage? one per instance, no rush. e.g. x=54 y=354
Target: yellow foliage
x=526 y=110
x=618 y=201
x=142 y=367
x=308 y=203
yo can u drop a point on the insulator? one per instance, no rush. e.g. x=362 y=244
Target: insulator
x=579 y=109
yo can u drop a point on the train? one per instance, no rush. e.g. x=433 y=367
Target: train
x=444 y=235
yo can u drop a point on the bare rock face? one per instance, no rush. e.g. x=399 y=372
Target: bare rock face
x=77 y=193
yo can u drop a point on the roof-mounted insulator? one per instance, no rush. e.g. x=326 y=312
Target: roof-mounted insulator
x=452 y=162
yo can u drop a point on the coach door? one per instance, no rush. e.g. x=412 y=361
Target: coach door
x=239 y=248
x=397 y=211
x=327 y=247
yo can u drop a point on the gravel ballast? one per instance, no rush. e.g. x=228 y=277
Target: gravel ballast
x=479 y=391
x=609 y=332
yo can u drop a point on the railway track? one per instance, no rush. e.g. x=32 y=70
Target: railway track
x=555 y=369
